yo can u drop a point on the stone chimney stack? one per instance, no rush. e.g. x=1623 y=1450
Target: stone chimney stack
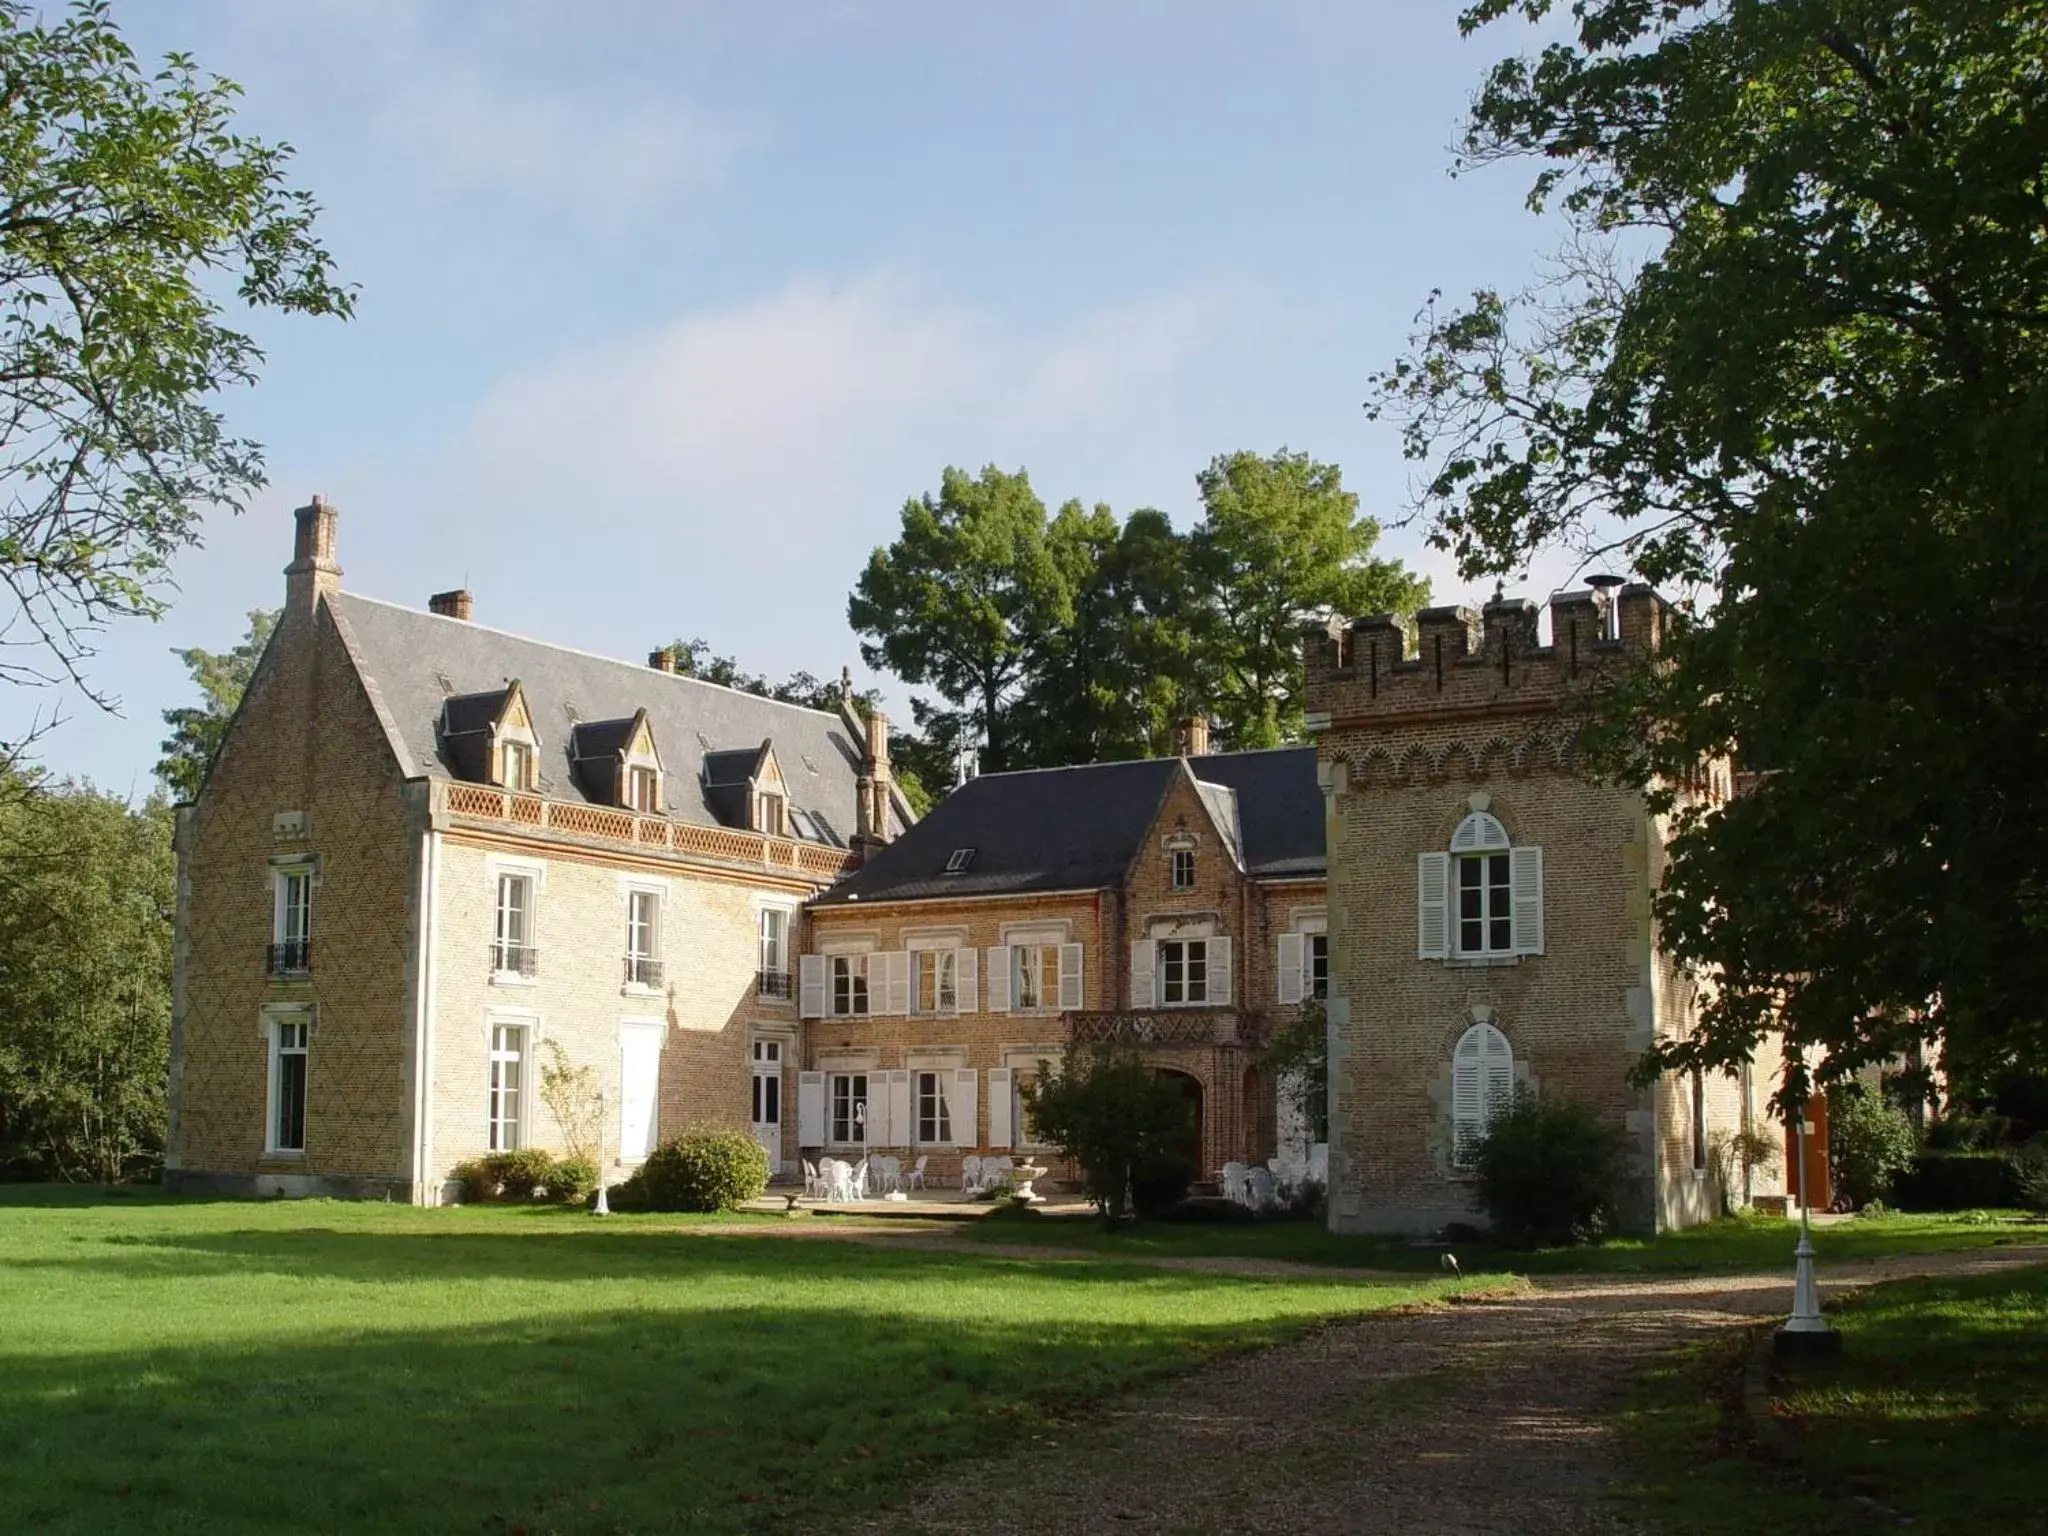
x=663 y=660
x=313 y=570
x=451 y=605
x=872 y=788
x=1191 y=736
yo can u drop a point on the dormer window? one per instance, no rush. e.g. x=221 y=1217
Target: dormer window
x=771 y=813
x=643 y=790
x=515 y=765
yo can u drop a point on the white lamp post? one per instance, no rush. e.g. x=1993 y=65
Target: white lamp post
x=1806 y=1331
x=603 y=1206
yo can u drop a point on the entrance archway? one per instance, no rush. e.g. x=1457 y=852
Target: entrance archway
x=1190 y=1088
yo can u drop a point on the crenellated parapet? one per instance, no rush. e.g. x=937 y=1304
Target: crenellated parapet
x=1475 y=693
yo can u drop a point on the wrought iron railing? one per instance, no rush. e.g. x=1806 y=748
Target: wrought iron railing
x=643 y=971
x=515 y=959
x=1163 y=1026
x=773 y=984
x=294 y=957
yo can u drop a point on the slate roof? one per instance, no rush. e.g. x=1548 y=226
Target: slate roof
x=414 y=663
x=1068 y=829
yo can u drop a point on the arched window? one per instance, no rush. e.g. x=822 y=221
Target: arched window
x=1482 y=1085
x=1483 y=899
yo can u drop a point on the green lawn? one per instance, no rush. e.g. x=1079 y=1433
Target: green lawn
x=1937 y=1411
x=226 y=1366
x=1738 y=1243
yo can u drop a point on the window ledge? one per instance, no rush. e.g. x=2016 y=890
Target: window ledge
x=284 y=1155
x=1482 y=962
x=640 y=989
x=513 y=979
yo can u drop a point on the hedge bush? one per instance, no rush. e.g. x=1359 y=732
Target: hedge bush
x=1871 y=1142
x=528 y=1174
x=703 y=1171
x=2030 y=1173
x=571 y=1179
x=1958 y=1181
x=1549 y=1172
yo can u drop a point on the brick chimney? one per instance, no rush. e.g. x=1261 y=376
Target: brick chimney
x=313 y=570
x=1191 y=736
x=450 y=605
x=663 y=660
x=873 y=786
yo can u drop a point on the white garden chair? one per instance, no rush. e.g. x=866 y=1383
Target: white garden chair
x=914 y=1179
x=814 y=1183
x=888 y=1173
x=859 y=1181
x=995 y=1172
x=1319 y=1164
x=970 y=1175
x=1261 y=1195
x=1232 y=1181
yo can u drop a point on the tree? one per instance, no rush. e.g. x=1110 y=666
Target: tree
x=196 y=733
x=1280 y=542
x=1110 y=1112
x=955 y=601
x=128 y=208
x=1111 y=681
x=1298 y=1058
x=1791 y=366
x=86 y=896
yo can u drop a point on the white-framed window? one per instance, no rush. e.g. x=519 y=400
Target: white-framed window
x=934 y=1118
x=849 y=986
x=1317 y=978
x=770 y=813
x=285 y=1114
x=767 y=1079
x=773 y=980
x=1183 y=971
x=1303 y=968
x=515 y=765
x=1182 y=861
x=507 y=1103
x=935 y=981
x=1482 y=1085
x=643 y=789
x=512 y=948
x=291 y=921
x=1034 y=976
x=643 y=938
x=1024 y=1129
x=847 y=1125
x=1483 y=898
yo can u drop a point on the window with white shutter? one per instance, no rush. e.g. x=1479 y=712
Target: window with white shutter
x=1482 y=1085
x=895 y=975
x=1432 y=906
x=1482 y=899
x=899 y=1129
x=810 y=1107
x=964 y=1109
x=999 y=979
x=1288 y=967
x=1143 y=990
x=1070 y=979
x=1000 y=1101
x=966 y=972
x=1527 y=880
x=811 y=989
x=1218 y=994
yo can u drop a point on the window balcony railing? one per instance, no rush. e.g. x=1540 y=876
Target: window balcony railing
x=515 y=960
x=294 y=957
x=643 y=971
x=1167 y=1026
x=773 y=984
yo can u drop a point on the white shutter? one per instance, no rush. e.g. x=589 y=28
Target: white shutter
x=1525 y=911
x=901 y=1131
x=1432 y=906
x=810 y=971
x=1142 y=986
x=1500 y=1072
x=810 y=1107
x=1468 y=1110
x=1000 y=1080
x=998 y=982
x=961 y=1106
x=1219 y=973
x=894 y=966
x=1290 y=966
x=1070 y=989
x=639 y=1075
x=966 y=972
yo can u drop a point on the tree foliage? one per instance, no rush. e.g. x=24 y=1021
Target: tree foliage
x=1298 y=1057
x=86 y=898
x=1109 y=1111
x=1549 y=1172
x=197 y=731
x=1790 y=365
x=129 y=209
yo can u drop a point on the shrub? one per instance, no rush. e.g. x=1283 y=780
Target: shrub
x=1870 y=1143
x=521 y=1175
x=629 y=1194
x=1966 y=1132
x=2030 y=1173
x=704 y=1171
x=571 y=1179
x=478 y=1182
x=1111 y=1113
x=1958 y=1181
x=1549 y=1171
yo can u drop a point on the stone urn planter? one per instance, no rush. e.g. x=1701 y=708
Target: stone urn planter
x=1022 y=1177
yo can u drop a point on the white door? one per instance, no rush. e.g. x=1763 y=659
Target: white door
x=767 y=1110
x=639 y=1072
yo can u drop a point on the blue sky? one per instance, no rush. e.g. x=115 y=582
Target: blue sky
x=666 y=309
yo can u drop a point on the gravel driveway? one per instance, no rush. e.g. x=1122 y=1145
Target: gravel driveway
x=1484 y=1418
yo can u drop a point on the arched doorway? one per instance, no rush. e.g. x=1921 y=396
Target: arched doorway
x=1190 y=1088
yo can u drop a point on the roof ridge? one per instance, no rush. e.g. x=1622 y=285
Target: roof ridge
x=571 y=650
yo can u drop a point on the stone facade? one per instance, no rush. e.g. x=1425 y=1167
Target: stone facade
x=1478 y=723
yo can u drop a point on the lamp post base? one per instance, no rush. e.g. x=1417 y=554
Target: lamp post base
x=1812 y=1344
